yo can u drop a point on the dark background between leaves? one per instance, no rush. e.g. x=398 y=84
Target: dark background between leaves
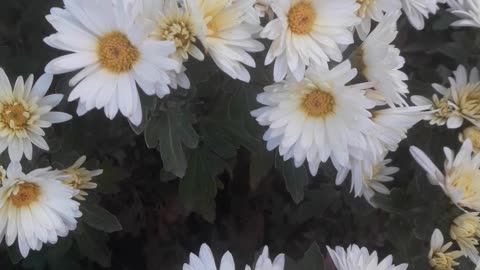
x=197 y=170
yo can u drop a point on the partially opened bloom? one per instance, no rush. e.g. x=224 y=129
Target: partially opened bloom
x=418 y=11
x=438 y=256
x=356 y=258
x=374 y=10
x=228 y=35
x=206 y=261
x=473 y=134
x=317 y=118
x=442 y=110
x=114 y=53
x=308 y=32
x=24 y=112
x=466 y=231
x=379 y=61
x=265 y=263
x=459 y=180
x=467 y=10
x=80 y=179
x=36 y=208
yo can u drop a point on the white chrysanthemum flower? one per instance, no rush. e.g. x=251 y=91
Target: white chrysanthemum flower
x=206 y=261
x=473 y=134
x=374 y=10
x=36 y=208
x=438 y=256
x=467 y=10
x=228 y=37
x=356 y=258
x=308 y=32
x=317 y=118
x=265 y=263
x=24 y=112
x=418 y=10
x=442 y=110
x=114 y=53
x=380 y=62
x=80 y=179
x=460 y=178
x=466 y=231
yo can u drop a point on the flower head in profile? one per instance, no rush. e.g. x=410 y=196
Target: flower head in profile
x=317 y=118
x=465 y=230
x=80 y=179
x=356 y=258
x=228 y=36
x=473 y=134
x=114 y=53
x=265 y=263
x=308 y=32
x=36 y=208
x=380 y=62
x=24 y=112
x=417 y=11
x=467 y=10
x=459 y=179
x=374 y=10
x=439 y=257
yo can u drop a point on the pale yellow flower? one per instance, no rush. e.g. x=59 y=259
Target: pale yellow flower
x=466 y=231
x=80 y=178
x=438 y=256
x=472 y=133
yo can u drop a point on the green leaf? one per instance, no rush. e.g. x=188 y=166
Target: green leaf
x=99 y=218
x=261 y=163
x=93 y=245
x=312 y=259
x=198 y=188
x=296 y=179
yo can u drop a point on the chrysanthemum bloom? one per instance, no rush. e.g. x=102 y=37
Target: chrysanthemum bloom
x=443 y=110
x=265 y=263
x=206 y=261
x=374 y=10
x=36 y=208
x=228 y=37
x=438 y=256
x=460 y=178
x=317 y=118
x=380 y=62
x=80 y=179
x=114 y=53
x=465 y=93
x=467 y=10
x=466 y=231
x=24 y=112
x=473 y=134
x=419 y=10
x=356 y=258
x=308 y=32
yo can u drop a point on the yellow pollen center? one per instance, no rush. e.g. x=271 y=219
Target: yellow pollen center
x=470 y=103
x=301 y=18
x=364 y=5
x=15 y=116
x=319 y=103
x=178 y=32
x=26 y=194
x=116 y=53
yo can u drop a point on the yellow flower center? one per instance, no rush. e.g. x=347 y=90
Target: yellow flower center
x=24 y=195
x=442 y=261
x=116 y=53
x=318 y=103
x=364 y=5
x=179 y=32
x=15 y=115
x=301 y=18
x=465 y=178
x=470 y=103
x=444 y=109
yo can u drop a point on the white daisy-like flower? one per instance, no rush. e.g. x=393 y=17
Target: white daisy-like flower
x=460 y=178
x=308 y=32
x=418 y=11
x=24 y=112
x=80 y=179
x=36 y=208
x=442 y=110
x=467 y=10
x=465 y=230
x=317 y=118
x=438 y=256
x=228 y=37
x=473 y=134
x=380 y=62
x=356 y=258
x=374 y=10
x=206 y=261
x=265 y=263
x=114 y=53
